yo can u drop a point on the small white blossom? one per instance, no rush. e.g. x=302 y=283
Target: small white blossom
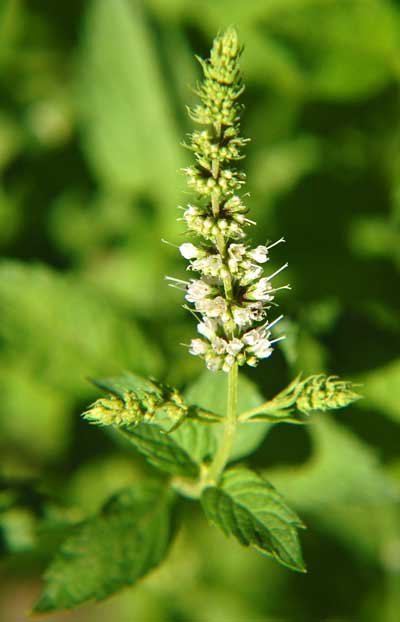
x=236 y=253
x=219 y=345
x=197 y=290
x=209 y=266
x=252 y=272
x=213 y=362
x=257 y=312
x=234 y=346
x=198 y=347
x=213 y=307
x=259 y=254
x=207 y=328
x=189 y=251
x=241 y=316
x=252 y=337
x=262 y=349
x=261 y=290
x=228 y=362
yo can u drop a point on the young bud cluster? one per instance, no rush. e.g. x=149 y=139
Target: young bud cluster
x=132 y=408
x=322 y=392
x=228 y=291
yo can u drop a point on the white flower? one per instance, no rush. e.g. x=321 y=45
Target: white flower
x=216 y=307
x=198 y=347
x=197 y=290
x=219 y=345
x=259 y=254
x=228 y=362
x=236 y=254
x=191 y=211
x=189 y=251
x=241 y=315
x=262 y=349
x=252 y=337
x=256 y=311
x=207 y=328
x=261 y=290
x=252 y=272
x=213 y=361
x=234 y=346
x=209 y=266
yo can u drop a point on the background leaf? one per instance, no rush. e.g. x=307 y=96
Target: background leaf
x=344 y=488
x=129 y=130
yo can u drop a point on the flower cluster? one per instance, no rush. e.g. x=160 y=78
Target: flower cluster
x=322 y=392
x=133 y=407
x=231 y=297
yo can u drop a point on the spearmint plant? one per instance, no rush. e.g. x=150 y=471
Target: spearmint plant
x=232 y=296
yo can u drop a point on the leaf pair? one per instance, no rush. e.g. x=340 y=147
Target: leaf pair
x=132 y=533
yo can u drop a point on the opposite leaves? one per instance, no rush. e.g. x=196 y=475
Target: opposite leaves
x=248 y=506
x=113 y=549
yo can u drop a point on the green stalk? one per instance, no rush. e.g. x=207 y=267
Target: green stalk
x=230 y=423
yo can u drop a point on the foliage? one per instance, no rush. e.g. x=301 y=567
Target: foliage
x=92 y=111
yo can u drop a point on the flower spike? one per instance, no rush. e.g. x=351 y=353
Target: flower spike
x=230 y=294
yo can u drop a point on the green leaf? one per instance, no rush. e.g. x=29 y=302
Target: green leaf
x=382 y=389
x=248 y=506
x=210 y=392
x=343 y=487
x=78 y=328
x=129 y=131
x=175 y=444
x=161 y=449
x=122 y=543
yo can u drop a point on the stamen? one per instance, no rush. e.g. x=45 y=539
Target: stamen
x=278 y=271
x=277 y=339
x=278 y=319
x=276 y=243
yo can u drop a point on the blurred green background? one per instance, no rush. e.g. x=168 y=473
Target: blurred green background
x=92 y=112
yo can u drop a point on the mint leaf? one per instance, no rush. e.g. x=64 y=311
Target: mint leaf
x=116 y=547
x=161 y=449
x=248 y=506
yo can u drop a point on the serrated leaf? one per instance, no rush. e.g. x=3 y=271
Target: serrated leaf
x=210 y=393
x=248 y=506
x=122 y=543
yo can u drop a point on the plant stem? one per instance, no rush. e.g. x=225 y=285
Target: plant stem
x=230 y=422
